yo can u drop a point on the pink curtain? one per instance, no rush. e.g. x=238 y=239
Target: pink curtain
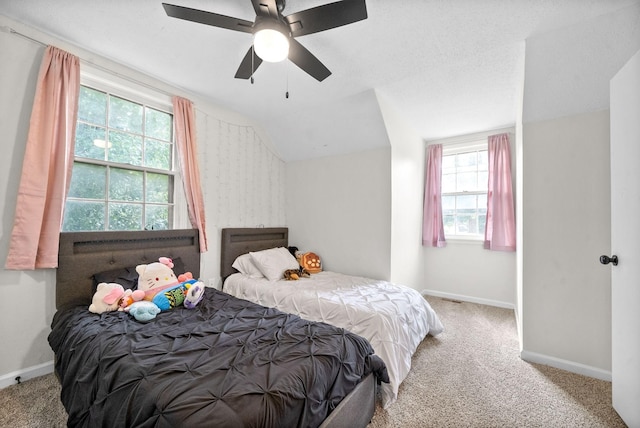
x=185 y=126
x=432 y=226
x=47 y=164
x=500 y=231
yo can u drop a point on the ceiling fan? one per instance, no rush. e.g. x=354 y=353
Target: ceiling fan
x=271 y=29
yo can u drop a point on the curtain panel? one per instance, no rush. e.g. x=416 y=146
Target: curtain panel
x=432 y=225
x=500 y=231
x=185 y=127
x=47 y=164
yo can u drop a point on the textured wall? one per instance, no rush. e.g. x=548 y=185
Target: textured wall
x=242 y=181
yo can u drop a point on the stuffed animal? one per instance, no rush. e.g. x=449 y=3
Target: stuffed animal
x=158 y=290
x=161 y=287
x=143 y=310
x=195 y=291
x=107 y=298
x=295 y=274
x=310 y=261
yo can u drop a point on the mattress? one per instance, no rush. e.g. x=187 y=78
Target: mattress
x=393 y=318
x=226 y=363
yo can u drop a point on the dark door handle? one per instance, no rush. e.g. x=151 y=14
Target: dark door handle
x=605 y=260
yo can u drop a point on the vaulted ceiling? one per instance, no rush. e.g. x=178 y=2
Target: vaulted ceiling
x=449 y=67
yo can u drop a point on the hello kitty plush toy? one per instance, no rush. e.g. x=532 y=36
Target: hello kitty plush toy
x=160 y=286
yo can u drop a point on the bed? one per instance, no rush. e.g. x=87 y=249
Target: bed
x=393 y=318
x=228 y=362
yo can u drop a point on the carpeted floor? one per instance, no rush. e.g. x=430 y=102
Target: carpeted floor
x=469 y=376
x=472 y=376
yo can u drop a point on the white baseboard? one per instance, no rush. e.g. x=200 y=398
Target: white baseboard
x=469 y=299
x=26 y=374
x=570 y=366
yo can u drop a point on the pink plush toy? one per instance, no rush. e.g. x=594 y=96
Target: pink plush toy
x=107 y=298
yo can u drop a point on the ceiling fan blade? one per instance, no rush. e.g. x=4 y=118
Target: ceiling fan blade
x=208 y=18
x=304 y=59
x=266 y=8
x=327 y=16
x=247 y=66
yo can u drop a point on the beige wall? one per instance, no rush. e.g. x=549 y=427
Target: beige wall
x=339 y=207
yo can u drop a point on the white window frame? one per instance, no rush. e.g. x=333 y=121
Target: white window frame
x=459 y=148
x=120 y=86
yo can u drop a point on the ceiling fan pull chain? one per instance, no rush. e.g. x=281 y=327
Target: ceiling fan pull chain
x=252 y=69
x=286 y=95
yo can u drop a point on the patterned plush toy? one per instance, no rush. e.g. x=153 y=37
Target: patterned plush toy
x=295 y=274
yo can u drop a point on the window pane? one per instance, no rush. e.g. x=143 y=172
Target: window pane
x=482 y=223
x=158 y=124
x=125 y=115
x=448 y=184
x=449 y=224
x=483 y=161
x=117 y=143
x=157 y=217
x=92 y=106
x=125 y=216
x=448 y=203
x=466 y=202
x=158 y=188
x=466 y=223
x=88 y=141
x=482 y=203
x=80 y=215
x=449 y=163
x=467 y=161
x=125 y=148
x=125 y=185
x=157 y=154
x=483 y=181
x=88 y=181
x=467 y=181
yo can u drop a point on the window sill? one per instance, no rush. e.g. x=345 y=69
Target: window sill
x=465 y=241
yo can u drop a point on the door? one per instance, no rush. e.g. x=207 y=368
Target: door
x=625 y=241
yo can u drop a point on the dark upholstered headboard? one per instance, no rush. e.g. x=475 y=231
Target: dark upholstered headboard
x=238 y=241
x=83 y=254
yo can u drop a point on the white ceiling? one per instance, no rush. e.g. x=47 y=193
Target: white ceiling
x=449 y=67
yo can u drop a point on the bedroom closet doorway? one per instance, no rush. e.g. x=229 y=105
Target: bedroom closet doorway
x=625 y=230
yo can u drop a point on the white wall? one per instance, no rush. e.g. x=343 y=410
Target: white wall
x=567 y=293
x=242 y=177
x=407 y=188
x=340 y=208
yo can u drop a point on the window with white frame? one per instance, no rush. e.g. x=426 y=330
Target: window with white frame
x=464 y=190
x=123 y=173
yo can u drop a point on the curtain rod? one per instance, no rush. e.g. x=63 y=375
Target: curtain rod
x=7 y=29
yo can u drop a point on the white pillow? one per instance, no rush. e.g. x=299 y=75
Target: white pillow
x=244 y=264
x=273 y=262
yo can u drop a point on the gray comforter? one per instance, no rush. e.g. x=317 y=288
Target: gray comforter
x=228 y=362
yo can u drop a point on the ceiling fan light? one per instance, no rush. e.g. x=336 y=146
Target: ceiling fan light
x=271 y=45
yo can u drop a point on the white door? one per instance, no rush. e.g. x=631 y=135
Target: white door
x=625 y=241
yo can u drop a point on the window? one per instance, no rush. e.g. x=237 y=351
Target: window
x=464 y=190
x=123 y=175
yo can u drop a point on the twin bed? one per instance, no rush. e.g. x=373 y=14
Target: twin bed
x=228 y=362
x=393 y=318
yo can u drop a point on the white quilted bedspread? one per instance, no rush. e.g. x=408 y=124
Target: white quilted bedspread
x=394 y=318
